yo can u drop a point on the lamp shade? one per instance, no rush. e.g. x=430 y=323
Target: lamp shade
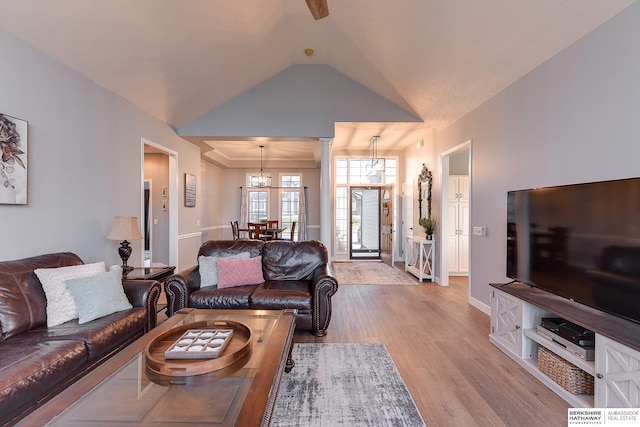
x=125 y=228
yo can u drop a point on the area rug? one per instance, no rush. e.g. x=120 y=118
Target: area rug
x=371 y=273
x=344 y=385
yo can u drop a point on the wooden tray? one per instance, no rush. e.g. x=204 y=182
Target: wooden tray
x=200 y=344
x=239 y=346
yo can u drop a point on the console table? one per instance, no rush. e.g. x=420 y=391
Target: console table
x=419 y=258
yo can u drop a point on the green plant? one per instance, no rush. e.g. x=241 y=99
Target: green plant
x=429 y=225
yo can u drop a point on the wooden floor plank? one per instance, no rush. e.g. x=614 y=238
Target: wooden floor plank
x=441 y=347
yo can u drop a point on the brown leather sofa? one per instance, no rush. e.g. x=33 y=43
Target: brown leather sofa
x=37 y=362
x=297 y=276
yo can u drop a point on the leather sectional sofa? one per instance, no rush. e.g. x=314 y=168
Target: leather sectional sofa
x=36 y=361
x=297 y=275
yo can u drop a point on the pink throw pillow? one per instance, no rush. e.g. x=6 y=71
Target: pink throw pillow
x=238 y=272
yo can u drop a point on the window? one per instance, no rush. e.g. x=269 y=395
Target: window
x=258 y=204
x=290 y=202
x=342 y=217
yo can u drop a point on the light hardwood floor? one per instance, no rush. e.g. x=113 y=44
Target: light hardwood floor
x=441 y=347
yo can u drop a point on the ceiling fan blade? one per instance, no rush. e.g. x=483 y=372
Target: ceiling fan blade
x=319 y=8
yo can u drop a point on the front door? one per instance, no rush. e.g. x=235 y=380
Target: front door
x=364 y=233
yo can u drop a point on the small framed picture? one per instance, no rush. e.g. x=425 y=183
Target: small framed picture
x=164 y=204
x=164 y=191
x=189 y=190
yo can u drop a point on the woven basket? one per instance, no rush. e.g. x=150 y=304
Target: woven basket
x=567 y=375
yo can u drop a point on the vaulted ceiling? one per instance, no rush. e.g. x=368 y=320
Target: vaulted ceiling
x=178 y=59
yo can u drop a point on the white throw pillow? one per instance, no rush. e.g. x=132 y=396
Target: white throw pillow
x=60 y=305
x=100 y=295
x=209 y=268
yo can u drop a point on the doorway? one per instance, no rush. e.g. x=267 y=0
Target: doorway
x=161 y=217
x=148 y=215
x=364 y=223
x=449 y=163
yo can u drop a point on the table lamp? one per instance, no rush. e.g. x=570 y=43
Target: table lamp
x=125 y=228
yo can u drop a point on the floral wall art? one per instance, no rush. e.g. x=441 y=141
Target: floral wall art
x=13 y=163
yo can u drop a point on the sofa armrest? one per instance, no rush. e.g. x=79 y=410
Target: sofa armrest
x=179 y=286
x=144 y=293
x=324 y=285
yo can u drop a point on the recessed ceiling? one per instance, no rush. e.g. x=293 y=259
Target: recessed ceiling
x=180 y=59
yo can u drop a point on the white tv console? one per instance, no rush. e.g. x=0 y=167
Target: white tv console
x=516 y=310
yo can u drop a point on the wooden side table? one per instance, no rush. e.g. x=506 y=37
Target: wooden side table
x=152 y=273
x=149 y=273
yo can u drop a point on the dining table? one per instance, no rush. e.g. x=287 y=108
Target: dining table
x=273 y=233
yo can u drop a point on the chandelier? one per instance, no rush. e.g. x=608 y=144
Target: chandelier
x=376 y=166
x=263 y=180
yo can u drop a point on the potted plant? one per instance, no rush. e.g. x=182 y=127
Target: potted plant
x=429 y=225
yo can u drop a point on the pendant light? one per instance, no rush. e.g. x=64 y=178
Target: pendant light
x=376 y=167
x=263 y=180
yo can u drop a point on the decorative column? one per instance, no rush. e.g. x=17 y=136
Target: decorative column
x=325 y=195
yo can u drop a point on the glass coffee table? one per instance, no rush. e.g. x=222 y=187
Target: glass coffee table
x=124 y=391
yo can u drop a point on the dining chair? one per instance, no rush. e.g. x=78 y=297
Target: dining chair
x=256 y=230
x=272 y=223
x=235 y=230
x=293 y=230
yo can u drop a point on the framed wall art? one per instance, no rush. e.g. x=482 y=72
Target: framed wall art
x=13 y=161
x=189 y=190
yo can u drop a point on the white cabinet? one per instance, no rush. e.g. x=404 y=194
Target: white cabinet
x=510 y=316
x=617 y=383
x=459 y=189
x=506 y=321
x=457 y=232
x=419 y=257
x=616 y=368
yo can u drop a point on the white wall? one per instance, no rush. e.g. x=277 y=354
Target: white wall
x=84 y=159
x=573 y=119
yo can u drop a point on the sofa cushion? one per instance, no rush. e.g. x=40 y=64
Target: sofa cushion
x=281 y=294
x=29 y=370
x=60 y=305
x=211 y=297
x=238 y=272
x=208 y=267
x=284 y=260
x=22 y=299
x=225 y=248
x=97 y=296
x=100 y=336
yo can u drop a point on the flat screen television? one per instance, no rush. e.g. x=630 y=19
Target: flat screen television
x=580 y=241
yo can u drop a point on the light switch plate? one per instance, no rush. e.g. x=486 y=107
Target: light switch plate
x=479 y=231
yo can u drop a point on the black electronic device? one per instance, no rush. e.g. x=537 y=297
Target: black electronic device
x=569 y=331
x=580 y=242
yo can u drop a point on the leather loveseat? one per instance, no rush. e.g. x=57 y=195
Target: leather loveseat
x=36 y=361
x=297 y=275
